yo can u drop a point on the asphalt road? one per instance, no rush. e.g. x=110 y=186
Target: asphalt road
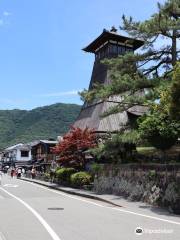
x=33 y=212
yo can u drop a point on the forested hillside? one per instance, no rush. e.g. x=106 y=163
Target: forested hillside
x=40 y=123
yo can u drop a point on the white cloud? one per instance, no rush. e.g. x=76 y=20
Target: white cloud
x=60 y=94
x=1 y=22
x=6 y=14
x=10 y=101
x=3 y=19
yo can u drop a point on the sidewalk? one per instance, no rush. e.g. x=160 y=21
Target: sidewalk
x=73 y=191
x=115 y=201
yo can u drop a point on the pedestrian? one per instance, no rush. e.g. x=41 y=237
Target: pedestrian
x=52 y=176
x=19 y=173
x=33 y=173
x=23 y=172
x=1 y=174
x=12 y=173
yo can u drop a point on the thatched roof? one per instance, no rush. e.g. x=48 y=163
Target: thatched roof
x=90 y=116
x=138 y=110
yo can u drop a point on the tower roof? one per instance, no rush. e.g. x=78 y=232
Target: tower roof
x=90 y=116
x=114 y=36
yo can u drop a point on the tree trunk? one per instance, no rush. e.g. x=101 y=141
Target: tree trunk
x=165 y=162
x=174 y=48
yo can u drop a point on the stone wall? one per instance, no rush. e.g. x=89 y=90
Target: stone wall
x=154 y=184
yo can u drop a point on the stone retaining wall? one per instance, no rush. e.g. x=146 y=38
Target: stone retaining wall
x=154 y=184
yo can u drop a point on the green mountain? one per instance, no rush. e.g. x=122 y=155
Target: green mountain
x=40 y=123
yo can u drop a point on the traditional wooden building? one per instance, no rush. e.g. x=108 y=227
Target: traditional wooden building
x=108 y=45
x=41 y=151
x=19 y=154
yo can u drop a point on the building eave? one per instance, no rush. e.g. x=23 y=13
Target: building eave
x=107 y=35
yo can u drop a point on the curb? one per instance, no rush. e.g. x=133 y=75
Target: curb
x=72 y=192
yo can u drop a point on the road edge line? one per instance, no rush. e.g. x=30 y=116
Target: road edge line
x=71 y=192
x=36 y=214
x=113 y=208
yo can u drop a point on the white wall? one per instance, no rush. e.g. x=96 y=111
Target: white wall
x=19 y=158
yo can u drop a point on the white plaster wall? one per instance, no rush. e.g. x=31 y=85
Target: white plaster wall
x=19 y=158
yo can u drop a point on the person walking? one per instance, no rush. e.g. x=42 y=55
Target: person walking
x=12 y=173
x=1 y=174
x=23 y=172
x=33 y=173
x=19 y=173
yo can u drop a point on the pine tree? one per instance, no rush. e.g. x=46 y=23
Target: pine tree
x=175 y=94
x=132 y=73
x=164 y=24
x=158 y=127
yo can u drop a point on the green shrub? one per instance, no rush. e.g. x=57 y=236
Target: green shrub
x=152 y=173
x=95 y=168
x=81 y=178
x=58 y=168
x=46 y=176
x=64 y=174
x=117 y=149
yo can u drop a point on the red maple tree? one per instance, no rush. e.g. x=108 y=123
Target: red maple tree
x=71 y=149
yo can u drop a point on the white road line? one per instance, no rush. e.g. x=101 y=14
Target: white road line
x=112 y=208
x=2 y=237
x=147 y=216
x=36 y=214
x=66 y=195
x=10 y=185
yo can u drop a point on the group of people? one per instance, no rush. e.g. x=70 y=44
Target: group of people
x=13 y=173
x=17 y=172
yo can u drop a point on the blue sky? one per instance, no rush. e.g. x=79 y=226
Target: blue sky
x=41 y=61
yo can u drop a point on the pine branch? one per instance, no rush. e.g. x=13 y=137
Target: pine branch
x=156 y=67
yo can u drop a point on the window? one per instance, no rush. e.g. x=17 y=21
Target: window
x=111 y=49
x=102 y=53
x=128 y=49
x=120 y=50
x=24 y=153
x=114 y=49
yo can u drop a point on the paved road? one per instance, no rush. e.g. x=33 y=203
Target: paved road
x=33 y=212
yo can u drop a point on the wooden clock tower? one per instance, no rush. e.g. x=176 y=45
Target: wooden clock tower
x=108 y=45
